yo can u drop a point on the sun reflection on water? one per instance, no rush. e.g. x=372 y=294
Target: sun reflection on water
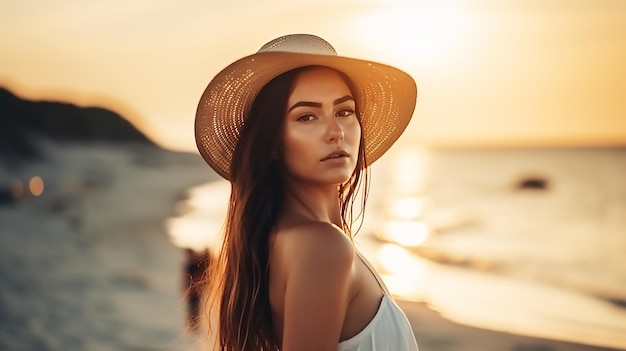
x=408 y=170
x=404 y=204
x=401 y=271
x=401 y=224
x=406 y=233
x=400 y=227
x=405 y=207
x=200 y=227
x=411 y=222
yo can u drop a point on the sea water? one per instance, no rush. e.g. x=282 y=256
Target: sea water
x=527 y=241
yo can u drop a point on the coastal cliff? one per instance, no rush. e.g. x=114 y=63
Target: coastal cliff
x=24 y=124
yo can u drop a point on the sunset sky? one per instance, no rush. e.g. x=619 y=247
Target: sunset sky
x=523 y=73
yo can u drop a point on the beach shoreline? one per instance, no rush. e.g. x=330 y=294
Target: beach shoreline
x=87 y=264
x=98 y=270
x=434 y=332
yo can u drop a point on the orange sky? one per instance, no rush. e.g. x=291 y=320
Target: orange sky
x=542 y=72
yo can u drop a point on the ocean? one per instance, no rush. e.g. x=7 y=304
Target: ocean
x=527 y=241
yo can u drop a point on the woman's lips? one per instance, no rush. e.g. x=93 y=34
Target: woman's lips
x=335 y=154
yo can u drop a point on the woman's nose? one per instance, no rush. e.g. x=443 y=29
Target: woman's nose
x=335 y=131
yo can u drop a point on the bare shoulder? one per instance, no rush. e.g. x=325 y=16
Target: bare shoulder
x=315 y=245
x=314 y=284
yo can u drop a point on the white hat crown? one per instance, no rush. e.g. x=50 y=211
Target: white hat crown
x=300 y=43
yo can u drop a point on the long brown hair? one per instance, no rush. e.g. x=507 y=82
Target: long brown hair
x=239 y=282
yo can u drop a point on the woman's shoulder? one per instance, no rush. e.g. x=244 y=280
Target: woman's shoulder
x=318 y=241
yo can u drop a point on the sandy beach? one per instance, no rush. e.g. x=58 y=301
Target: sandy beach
x=88 y=264
x=436 y=333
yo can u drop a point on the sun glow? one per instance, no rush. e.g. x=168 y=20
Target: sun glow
x=412 y=36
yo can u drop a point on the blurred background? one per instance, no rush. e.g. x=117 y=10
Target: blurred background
x=502 y=207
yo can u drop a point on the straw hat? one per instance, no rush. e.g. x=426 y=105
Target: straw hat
x=385 y=96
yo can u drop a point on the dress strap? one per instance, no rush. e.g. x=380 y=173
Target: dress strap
x=367 y=264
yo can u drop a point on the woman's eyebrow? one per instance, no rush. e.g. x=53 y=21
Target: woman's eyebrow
x=318 y=105
x=305 y=103
x=344 y=99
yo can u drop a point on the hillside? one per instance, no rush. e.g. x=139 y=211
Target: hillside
x=24 y=124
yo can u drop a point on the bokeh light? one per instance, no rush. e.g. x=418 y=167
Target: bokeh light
x=36 y=186
x=17 y=189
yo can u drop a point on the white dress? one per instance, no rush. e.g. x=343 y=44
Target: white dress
x=388 y=330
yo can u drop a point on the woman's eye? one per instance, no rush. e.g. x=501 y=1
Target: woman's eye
x=306 y=118
x=345 y=113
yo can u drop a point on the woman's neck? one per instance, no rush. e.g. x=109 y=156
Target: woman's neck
x=314 y=203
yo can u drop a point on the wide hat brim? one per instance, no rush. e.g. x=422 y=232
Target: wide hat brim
x=385 y=95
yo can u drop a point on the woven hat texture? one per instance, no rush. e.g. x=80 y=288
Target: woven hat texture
x=385 y=96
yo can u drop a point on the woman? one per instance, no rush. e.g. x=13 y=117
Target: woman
x=294 y=128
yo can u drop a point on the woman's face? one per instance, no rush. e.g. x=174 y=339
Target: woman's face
x=321 y=131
